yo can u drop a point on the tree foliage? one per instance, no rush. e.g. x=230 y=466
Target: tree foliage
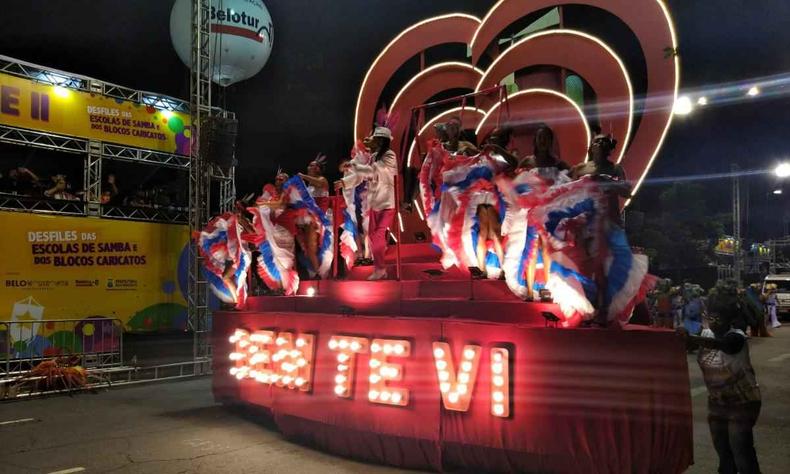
x=679 y=231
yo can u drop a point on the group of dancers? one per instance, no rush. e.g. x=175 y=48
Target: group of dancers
x=543 y=226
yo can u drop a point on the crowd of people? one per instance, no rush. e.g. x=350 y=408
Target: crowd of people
x=686 y=306
x=21 y=181
x=536 y=222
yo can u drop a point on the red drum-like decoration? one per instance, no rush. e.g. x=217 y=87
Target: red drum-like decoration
x=443 y=394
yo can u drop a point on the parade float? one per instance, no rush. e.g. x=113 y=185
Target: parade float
x=435 y=369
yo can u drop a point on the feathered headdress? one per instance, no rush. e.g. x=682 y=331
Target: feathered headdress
x=320 y=160
x=387 y=119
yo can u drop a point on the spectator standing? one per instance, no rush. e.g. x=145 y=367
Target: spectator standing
x=19 y=180
x=734 y=400
x=771 y=304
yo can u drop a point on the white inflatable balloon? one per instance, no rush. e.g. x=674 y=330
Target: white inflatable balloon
x=241 y=37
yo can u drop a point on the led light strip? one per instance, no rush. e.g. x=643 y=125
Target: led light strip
x=672 y=33
x=429 y=70
x=599 y=43
x=540 y=91
x=390 y=45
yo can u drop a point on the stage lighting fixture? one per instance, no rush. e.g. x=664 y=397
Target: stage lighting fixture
x=683 y=106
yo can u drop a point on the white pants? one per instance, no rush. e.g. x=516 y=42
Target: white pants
x=772 y=314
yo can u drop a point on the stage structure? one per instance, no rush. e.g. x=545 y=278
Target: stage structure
x=97 y=147
x=53 y=82
x=435 y=369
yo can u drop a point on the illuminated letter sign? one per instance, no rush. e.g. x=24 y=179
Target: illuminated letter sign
x=382 y=371
x=347 y=348
x=456 y=386
x=286 y=360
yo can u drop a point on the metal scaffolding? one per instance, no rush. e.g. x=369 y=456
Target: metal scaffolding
x=202 y=173
x=779 y=255
x=199 y=177
x=93 y=151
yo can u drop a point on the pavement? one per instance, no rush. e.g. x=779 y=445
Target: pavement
x=175 y=427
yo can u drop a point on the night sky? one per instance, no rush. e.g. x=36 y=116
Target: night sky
x=303 y=100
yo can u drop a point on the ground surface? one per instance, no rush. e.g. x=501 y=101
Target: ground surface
x=176 y=428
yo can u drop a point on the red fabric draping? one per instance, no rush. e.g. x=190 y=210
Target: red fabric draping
x=581 y=400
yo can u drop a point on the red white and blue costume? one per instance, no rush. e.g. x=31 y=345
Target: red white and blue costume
x=587 y=254
x=297 y=198
x=452 y=188
x=274 y=239
x=225 y=258
x=357 y=209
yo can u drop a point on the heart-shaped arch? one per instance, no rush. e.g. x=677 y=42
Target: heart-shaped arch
x=651 y=23
x=547 y=106
x=585 y=55
x=429 y=82
x=444 y=29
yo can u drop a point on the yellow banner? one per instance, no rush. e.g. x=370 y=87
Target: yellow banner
x=725 y=246
x=37 y=106
x=57 y=267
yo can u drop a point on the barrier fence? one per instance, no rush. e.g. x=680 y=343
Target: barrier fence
x=94 y=343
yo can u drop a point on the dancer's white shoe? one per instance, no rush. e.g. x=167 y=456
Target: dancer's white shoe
x=378 y=274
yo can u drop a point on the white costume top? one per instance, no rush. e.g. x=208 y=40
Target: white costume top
x=381 y=178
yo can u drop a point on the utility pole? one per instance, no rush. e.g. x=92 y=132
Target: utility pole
x=736 y=224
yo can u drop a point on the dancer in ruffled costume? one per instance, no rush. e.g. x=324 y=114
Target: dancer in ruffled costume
x=527 y=263
x=275 y=227
x=474 y=234
x=225 y=257
x=623 y=274
x=306 y=201
x=309 y=197
x=353 y=241
x=463 y=206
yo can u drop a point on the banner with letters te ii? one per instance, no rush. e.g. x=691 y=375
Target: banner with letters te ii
x=76 y=267
x=25 y=103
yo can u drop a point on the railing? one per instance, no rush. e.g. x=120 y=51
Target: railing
x=20 y=203
x=96 y=343
x=108 y=377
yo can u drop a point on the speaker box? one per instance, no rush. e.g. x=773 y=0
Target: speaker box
x=218 y=140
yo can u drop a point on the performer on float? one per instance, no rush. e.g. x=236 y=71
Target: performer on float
x=274 y=229
x=380 y=175
x=308 y=194
x=226 y=257
x=543 y=157
x=446 y=153
x=473 y=232
x=353 y=241
x=526 y=251
x=621 y=275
